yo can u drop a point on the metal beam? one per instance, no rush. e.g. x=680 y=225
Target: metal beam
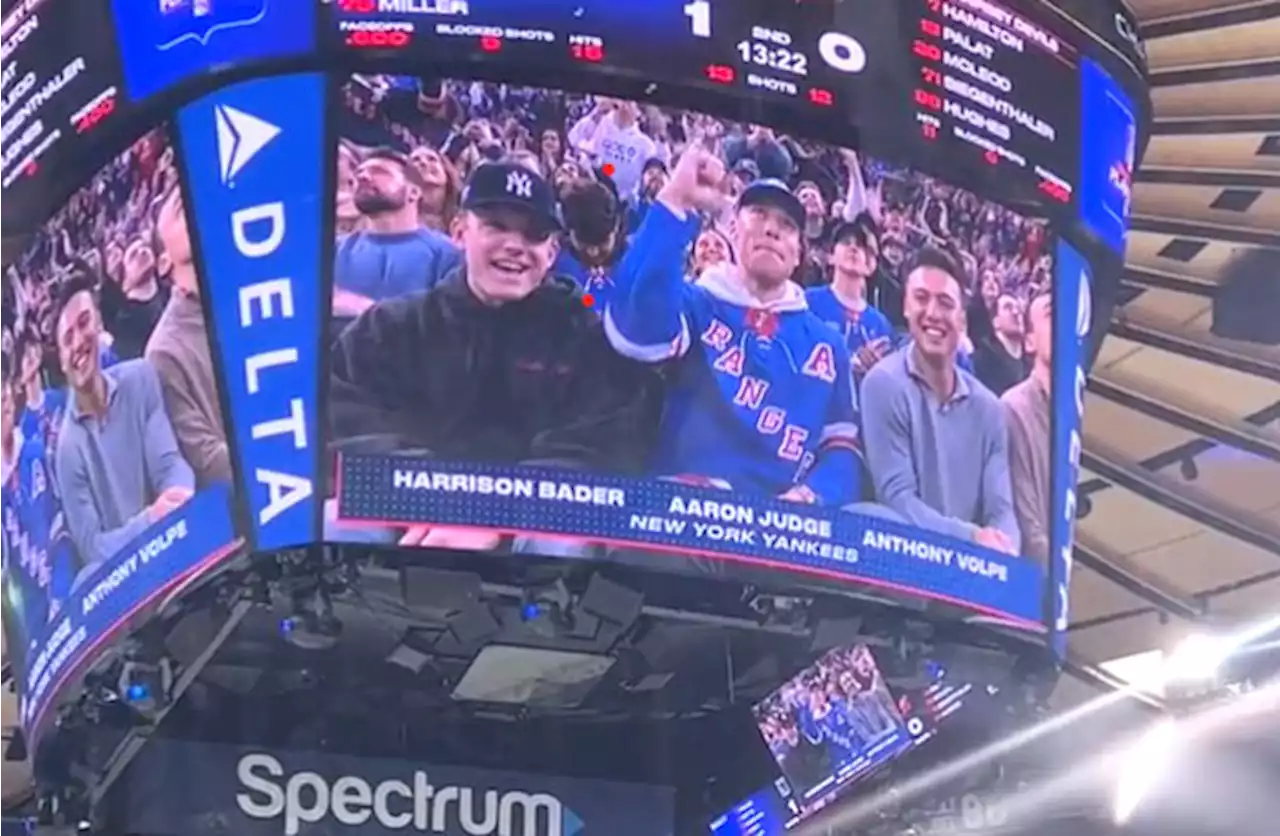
x=133 y=742
x=1244 y=526
x=1182 y=452
x=1165 y=408
x=1110 y=618
x=1203 y=231
x=1125 y=575
x=1233 y=71
x=1214 y=178
x=1147 y=331
x=1148 y=277
x=1200 y=126
x=1206 y=19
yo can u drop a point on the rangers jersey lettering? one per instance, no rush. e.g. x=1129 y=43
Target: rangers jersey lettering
x=759 y=396
x=37 y=552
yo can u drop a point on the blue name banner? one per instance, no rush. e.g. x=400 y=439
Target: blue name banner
x=1072 y=321
x=400 y=491
x=254 y=156
x=188 y=541
x=163 y=42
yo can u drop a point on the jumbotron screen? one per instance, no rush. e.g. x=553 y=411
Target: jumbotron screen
x=494 y=286
x=657 y=396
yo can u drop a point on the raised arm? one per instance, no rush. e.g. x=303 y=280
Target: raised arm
x=645 y=319
x=856 y=197
x=582 y=135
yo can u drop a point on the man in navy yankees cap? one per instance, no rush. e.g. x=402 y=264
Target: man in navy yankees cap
x=511 y=186
x=500 y=362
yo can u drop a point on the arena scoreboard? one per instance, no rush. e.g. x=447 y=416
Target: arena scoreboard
x=953 y=79
x=209 y=165
x=950 y=84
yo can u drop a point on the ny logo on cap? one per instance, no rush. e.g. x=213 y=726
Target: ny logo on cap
x=520 y=184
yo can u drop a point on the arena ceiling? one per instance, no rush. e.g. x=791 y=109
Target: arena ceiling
x=1181 y=470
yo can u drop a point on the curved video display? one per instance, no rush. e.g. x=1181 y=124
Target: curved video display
x=116 y=467
x=640 y=327
x=827 y=332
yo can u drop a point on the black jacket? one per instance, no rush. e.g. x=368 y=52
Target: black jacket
x=532 y=381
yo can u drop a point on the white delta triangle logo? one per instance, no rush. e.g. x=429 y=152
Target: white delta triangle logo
x=257 y=233
x=240 y=137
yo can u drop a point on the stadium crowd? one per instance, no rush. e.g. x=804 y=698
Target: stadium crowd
x=835 y=716
x=409 y=147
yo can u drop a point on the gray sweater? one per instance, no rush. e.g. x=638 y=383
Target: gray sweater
x=111 y=470
x=943 y=466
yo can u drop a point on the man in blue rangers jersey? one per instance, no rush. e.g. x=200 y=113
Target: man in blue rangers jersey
x=42 y=408
x=593 y=242
x=843 y=303
x=760 y=392
x=38 y=552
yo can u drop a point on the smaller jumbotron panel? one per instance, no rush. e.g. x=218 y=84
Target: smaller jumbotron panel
x=117 y=474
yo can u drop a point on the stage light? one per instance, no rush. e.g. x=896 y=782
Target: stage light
x=312 y=625
x=530 y=611
x=146 y=686
x=1197 y=658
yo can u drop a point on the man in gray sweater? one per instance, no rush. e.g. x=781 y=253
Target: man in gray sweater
x=118 y=464
x=936 y=442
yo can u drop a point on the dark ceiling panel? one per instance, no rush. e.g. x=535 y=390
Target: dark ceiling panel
x=1182 y=249
x=1236 y=200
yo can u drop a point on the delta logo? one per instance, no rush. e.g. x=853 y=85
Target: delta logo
x=198 y=20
